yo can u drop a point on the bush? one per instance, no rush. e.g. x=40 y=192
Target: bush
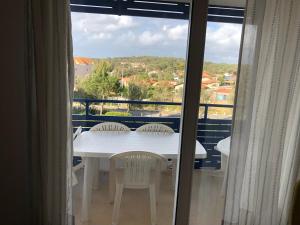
x=118 y=114
x=96 y=111
x=78 y=110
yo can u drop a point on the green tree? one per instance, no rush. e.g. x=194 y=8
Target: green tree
x=135 y=92
x=221 y=79
x=205 y=96
x=100 y=83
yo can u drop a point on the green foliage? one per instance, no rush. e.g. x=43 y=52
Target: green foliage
x=219 y=68
x=161 y=93
x=205 y=96
x=147 y=77
x=100 y=83
x=135 y=92
x=221 y=79
x=78 y=110
x=113 y=113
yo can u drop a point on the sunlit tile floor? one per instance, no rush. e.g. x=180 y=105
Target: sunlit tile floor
x=206 y=206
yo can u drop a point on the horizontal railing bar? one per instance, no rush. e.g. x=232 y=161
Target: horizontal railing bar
x=83 y=100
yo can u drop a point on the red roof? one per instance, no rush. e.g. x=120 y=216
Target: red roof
x=224 y=90
x=207 y=81
x=205 y=75
x=82 y=61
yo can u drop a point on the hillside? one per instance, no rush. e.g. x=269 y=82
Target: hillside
x=154 y=78
x=131 y=65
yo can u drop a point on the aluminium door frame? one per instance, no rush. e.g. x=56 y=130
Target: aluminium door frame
x=190 y=110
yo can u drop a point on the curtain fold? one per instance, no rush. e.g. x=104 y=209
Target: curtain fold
x=265 y=147
x=49 y=97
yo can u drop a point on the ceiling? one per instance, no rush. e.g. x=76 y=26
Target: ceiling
x=233 y=3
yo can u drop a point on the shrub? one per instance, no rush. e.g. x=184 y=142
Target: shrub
x=118 y=114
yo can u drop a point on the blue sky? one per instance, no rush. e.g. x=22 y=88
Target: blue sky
x=101 y=36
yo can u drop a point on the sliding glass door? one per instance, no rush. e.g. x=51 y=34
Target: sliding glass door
x=190 y=110
x=140 y=63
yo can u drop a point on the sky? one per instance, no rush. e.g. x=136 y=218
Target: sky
x=102 y=36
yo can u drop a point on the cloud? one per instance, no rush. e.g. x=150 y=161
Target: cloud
x=125 y=37
x=178 y=32
x=166 y=35
x=98 y=35
x=149 y=38
x=95 y=22
x=223 y=42
x=99 y=26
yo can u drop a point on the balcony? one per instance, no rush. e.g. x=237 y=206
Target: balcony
x=211 y=128
x=207 y=203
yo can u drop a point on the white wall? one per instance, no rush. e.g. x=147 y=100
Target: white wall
x=14 y=188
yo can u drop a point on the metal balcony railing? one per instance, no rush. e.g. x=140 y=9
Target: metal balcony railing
x=210 y=130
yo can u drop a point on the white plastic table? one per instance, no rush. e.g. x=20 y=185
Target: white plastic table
x=92 y=145
x=223 y=146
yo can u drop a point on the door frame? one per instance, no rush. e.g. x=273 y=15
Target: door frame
x=190 y=110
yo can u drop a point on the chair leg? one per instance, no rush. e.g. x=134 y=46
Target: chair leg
x=152 y=204
x=174 y=170
x=158 y=180
x=112 y=181
x=74 y=178
x=117 y=204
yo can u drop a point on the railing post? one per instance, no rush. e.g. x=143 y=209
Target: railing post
x=87 y=108
x=205 y=112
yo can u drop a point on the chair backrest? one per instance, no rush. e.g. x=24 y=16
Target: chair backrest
x=77 y=133
x=138 y=166
x=155 y=127
x=110 y=126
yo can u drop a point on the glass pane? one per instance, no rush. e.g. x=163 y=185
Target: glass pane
x=214 y=124
x=128 y=70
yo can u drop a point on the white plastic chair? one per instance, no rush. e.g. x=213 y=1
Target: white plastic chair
x=103 y=163
x=80 y=165
x=110 y=126
x=137 y=170
x=77 y=132
x=160 y=129
x=155 y=127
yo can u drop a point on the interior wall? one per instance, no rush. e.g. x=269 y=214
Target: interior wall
x=15 y=201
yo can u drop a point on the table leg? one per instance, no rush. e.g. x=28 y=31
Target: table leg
x=87 y=187
x=174 y=170
x=112 y=181
x=96 y=180
x=224 y=168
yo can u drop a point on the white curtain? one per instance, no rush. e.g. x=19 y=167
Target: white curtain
x=265 y=147
x=49 y=95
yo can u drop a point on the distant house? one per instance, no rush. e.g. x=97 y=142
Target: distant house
x=83 y=61
x=223 y=93
x=138 y=65
x=83 y=66
x=152 y=72
x=229 y=79
x=175 y=77
x=208 y=82
x=178 y=87
x=165 y=83
x=125 y=81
